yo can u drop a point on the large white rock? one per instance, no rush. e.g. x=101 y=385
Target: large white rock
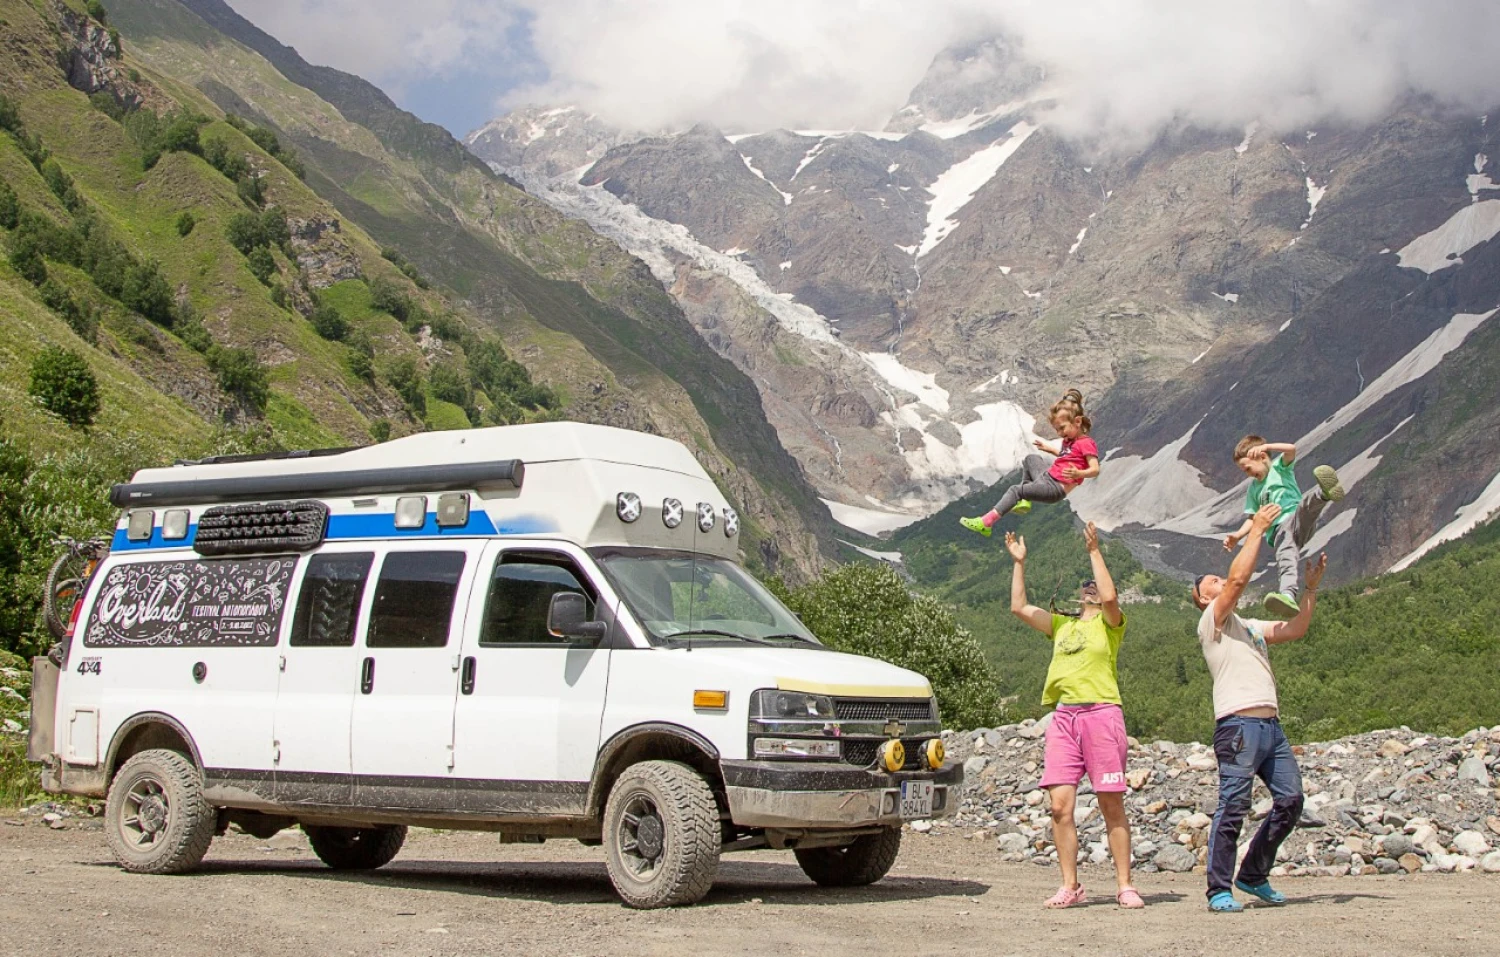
x=1471 y=843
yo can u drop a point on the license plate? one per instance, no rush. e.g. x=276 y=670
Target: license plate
x=916 y=800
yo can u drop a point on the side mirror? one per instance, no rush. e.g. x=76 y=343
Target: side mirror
x=568 y=617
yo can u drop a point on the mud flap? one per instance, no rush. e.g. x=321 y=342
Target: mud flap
x=42 y=743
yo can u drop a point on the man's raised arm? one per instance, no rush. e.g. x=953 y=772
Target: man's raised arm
x=1029 y=613
x=1243 y=565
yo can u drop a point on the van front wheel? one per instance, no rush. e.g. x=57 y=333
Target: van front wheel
x=156 y=820
x=864 y=861
x=661 y=835
x=356 y=848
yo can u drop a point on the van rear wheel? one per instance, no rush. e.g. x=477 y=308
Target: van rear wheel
x=661 y=835
x=156 y=820
x=356 y=848
x=864 y=861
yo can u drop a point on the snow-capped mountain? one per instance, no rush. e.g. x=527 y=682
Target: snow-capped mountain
x=910 y=300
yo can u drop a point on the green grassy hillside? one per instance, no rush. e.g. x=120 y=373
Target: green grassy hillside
x=585 y=317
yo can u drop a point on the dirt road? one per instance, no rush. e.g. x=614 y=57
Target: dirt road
x=466 y=894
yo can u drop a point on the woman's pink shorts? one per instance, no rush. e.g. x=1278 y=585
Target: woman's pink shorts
x=1086 y=739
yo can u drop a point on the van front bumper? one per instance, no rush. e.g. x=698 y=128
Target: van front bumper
x=786 y=794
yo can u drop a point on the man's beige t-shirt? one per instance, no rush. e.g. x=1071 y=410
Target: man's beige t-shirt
x=1237 y=658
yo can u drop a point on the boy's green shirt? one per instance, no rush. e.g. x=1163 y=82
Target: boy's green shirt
x=1279 y=486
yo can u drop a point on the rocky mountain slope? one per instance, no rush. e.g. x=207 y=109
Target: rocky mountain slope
x=908 y=301
x=443 y=275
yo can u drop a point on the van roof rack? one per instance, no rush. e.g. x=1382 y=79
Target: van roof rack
x=450 y=477
x=265 y=456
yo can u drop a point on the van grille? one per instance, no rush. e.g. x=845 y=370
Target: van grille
x=876 y=709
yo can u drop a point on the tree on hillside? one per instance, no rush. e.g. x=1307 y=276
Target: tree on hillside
x=867 y=610
x=63 y=383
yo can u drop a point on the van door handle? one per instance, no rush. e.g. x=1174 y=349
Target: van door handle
x=367 y=676
x=466 y=679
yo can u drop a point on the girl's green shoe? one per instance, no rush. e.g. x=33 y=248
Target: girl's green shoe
x=975 y=525
x=1022 y=507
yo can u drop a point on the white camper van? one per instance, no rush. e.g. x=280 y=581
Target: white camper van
x=538 y=630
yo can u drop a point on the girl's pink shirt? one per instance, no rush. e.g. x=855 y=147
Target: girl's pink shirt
x=1074 y=452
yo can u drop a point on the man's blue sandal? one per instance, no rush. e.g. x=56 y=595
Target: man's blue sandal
x=1224 y=903
x=1263 y=891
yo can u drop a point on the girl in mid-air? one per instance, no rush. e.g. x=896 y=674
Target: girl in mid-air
x=1077 y=459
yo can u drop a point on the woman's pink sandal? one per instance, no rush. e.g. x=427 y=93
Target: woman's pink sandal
x=1067 y=897
x=1129 y=898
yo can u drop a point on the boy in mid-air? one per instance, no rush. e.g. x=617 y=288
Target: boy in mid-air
x=1269 y=465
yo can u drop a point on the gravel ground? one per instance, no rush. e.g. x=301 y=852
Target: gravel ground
x=466 y=894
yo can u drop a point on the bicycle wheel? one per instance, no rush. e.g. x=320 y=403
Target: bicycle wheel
x=65 y=583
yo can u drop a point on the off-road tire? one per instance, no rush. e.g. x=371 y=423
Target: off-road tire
x=356 y=848
x=862 y=862
x=173 y=833
x=689 y=835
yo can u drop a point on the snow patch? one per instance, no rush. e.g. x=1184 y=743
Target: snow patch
x=1284 y=325
x=893 y=558
x=955 y=186
x=1409 y=368
x=893 y=167
x=786 y=198
x=923 y=385
x=909 y=250
x=1466 y=518
x=1479 y=180
x=735 y=251
x=1250 y=132
x=809 y=156
x=868 y=520
x=1315 y=194
x=1005 y=270
x=1001 y=379
x=1229 y=297
x=973 y=120
x=1474 y=224
x=1079 y=241
x=1329 y=530
x=1135 y=490
x=786 y=265
x=1199 y=356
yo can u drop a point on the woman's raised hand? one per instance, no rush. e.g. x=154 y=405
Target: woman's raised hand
x=1091 y=537
x=1016 y=545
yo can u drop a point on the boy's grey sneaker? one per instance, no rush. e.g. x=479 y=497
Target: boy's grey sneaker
x=1281 y=606
x=1328 y=483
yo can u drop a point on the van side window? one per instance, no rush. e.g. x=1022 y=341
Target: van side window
x=328 y=605
x=414 y=600
x=521 y=591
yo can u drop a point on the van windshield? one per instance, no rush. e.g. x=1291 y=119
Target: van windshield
x=681 y=597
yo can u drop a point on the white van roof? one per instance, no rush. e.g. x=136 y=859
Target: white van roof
x=554 y=479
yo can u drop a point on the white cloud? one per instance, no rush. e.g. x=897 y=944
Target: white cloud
x=389 y=42
x=1124 y=69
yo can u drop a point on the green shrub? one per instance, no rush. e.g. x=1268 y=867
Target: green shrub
x=63 y=383
x=450 y=384
x=388 y=297
x=241 y=375
x=26 y=260
x=248 y=189
x=380 y=430
x=329 y=323
x=406 y=379
x=274 y=228
x=96 y=10
x=262 y=264
x=10 y=116
x=81 y=318
x=188 y=326
x=868 y=610
x=217 y=152
x=146 y=291
x=10 y=206
x=244 y=232
x=105 y=103
x=360 y=366
x=185 y=222
x=61 y=185
x=32 y=148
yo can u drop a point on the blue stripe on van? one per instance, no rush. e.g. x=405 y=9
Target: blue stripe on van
x=353 y=526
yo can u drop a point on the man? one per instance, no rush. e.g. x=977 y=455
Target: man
x=1248 y=739
x=1087 y=731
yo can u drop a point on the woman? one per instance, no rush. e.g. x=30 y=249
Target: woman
x=1087 y=731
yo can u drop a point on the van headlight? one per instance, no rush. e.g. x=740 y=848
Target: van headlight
x=771 y=705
